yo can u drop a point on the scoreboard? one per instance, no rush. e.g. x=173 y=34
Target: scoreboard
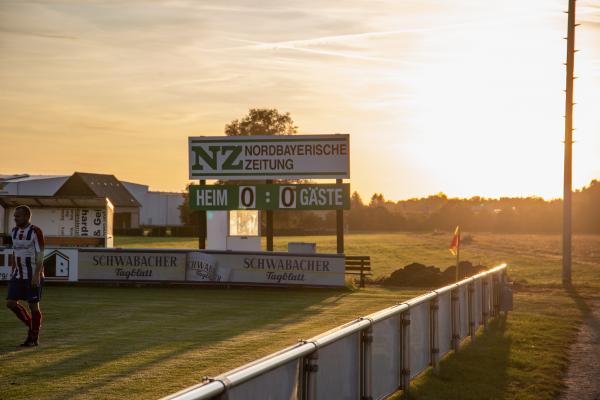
x=270 y=197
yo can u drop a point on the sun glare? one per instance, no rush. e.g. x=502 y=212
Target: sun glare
x=459 y=96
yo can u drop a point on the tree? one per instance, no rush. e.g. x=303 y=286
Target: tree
x=262 y=121
x=265 y=121
x=377 y=200
x=187 y=217
x=356 y=200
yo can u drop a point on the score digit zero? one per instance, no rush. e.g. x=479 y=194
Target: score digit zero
x=247 y=196
x=310 y=197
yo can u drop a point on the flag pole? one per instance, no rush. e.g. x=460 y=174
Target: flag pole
x=457 y=260
x=455 y=249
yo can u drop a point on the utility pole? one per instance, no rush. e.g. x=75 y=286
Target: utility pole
x=567 y=194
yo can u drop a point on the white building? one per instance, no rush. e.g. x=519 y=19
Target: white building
x=30 y=185
x=158 y=208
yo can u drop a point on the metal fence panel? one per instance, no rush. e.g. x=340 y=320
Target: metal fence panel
x=444 y=317
x=463 y=314
x=338 y=375
x=280 y=383
x=490 y=294
x=386 y=357
x=420 y=352
x=477 y=309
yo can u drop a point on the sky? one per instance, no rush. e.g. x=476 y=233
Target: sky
x=463 y=97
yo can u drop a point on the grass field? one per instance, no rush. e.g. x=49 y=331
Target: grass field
x=110 y=342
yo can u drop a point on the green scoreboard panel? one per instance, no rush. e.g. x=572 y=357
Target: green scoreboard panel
x=270 y=197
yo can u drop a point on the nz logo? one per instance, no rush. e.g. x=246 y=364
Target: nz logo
x=226 y=158
x=56 y=265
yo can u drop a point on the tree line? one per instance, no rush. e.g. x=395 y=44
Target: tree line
x=506 y=214
x=438 y=212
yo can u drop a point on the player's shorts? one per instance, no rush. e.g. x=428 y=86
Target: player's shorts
x=21 y=289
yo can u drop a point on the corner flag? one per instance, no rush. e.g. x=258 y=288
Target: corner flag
x=455 y=245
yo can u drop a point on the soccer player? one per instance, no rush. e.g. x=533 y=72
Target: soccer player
x=27 y=275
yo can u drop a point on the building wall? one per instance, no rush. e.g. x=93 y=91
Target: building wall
x=126 y=218
x=5 y=221
x=138 y=191
x=158 y=208
x=162 y=209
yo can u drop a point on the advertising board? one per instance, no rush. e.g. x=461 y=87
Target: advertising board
x=59 y=264
x=269 y=157
x=132 y=265
x=192 y=266
x=204 y=267
x=70 y=222
x=281 y=268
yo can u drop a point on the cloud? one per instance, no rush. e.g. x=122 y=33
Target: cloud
x=293 y=46
x=46 y=35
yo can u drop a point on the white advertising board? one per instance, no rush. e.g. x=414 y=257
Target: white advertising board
x=281 y=268
x=59 y=264
x=269 y=157
x=194 y=266
x=132 y=265
x=69 y=222
x=5 y=270
x=203 y=267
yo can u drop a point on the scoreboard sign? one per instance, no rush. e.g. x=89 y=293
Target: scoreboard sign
x=270 y=197
x=269 y=157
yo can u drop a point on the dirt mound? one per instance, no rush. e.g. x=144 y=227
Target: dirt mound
x=420 y=275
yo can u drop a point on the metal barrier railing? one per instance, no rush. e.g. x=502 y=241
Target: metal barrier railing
x=370 y=357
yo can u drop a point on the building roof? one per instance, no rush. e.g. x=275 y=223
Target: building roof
x=133 y=186
x=55 y=201
x=26 y=177
x=98 y=185
x=137 y=185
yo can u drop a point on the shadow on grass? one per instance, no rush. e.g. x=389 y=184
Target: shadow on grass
x=478 y=371
x=579 y=301
x=127 y=323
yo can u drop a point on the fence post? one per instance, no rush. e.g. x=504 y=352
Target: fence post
x=366 y=339
x=433 y=334
x=309 y=381
x=503 y=279
x=455 y=317
x=405 y=352
x=471 y=303
x=496 y=295
x=484 y=301
x=493 y=297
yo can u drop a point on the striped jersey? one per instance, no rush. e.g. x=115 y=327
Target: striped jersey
x=28 y=242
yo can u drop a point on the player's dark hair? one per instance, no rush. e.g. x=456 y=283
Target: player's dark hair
x=25 y=209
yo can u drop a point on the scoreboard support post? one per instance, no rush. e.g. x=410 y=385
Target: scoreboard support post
x=202 y=224
x=340 y=225
x=269 y=224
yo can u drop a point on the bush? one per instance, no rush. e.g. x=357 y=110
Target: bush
x=419 y=275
